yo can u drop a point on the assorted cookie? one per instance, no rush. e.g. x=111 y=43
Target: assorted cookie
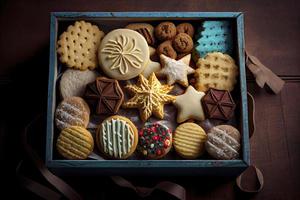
x=130 y=59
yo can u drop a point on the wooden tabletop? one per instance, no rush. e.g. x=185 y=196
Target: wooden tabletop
x=272 y=31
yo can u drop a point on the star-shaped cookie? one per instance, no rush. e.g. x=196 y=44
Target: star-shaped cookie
x=176 y=70
x=189 y=105
x=149 y=97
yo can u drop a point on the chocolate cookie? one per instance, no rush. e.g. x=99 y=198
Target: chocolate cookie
x=167 y=49
x=183 y=43
x=165 y=31
x=146 y=30
x=185 y=28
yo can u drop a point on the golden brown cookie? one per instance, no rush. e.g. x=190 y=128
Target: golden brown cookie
x=117 y=137
x=189 y=140
x=78 y=45
x=75 y=143
x=72 y=111
x=186 y=28
x=183 y=43
x=167 y=49
x=165 y=31
x=146 y=30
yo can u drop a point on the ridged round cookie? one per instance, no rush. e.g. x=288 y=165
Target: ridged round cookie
x=73 y=82
x=189 y=140
x=223 y=142
x=75 y=143
x=72 y=111
x=117 y=137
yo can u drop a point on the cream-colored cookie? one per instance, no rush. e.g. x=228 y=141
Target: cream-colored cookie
x=123 y=54
x=78 y=45
x=216 y=70
x=189 y=105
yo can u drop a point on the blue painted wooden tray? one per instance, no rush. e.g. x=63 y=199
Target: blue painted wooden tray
x=146 y=167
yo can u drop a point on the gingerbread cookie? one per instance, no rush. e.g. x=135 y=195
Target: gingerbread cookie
x=146 y=30
x=185 y=28
x=117 y=137
x=105 y=95
x=165 y=31
x=75 y=143
x=72 y=111
x=78 y=45
x=123 y=54
x=167 y=49
x=149 y=97
x=189 y=105
x=155 y=140
x=183 y=43
x=189 y=140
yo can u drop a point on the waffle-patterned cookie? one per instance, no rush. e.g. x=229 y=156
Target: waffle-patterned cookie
x=216 y=70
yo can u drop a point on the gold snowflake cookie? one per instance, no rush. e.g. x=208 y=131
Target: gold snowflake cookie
x=149 y=97
x=123 y=54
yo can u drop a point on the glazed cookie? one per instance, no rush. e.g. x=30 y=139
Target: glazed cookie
x=189 y=105
x=223 y=142
x=75 y=143
x=167 y=49
x=72 y=111
x=155 y=140
x=216 y=70
x=189 y=140
x=149 y=97
x=146 y=30
x=123 y=54
x=78 y=45
x=185 y=28
x=104 y=95
x=176 y=70
x=165 y=31
x=183 y=43
x=117 y=137
x=73 y=82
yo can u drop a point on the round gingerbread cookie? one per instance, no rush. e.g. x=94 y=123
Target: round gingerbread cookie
x=155 y=140
x=75 y=143
x=185 y=28
x=123 y=54
x=167 y=49
x=165 y=31
x=183 y=43
x=117 y=137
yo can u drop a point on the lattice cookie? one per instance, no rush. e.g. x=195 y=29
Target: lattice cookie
x=216 y=70
x=78 y=45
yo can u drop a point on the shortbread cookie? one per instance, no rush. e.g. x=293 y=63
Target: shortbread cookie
x=149 y=97
x=183 y=43
x=123 y=54
x=189 y=105
x=72 y=111
x=223 y=142
x=146 y=30
x=78 y=45
x=155 y=140
x=167 y=49
x=165 y=31
x=189 y=140
x=75 y=143
x=185 y=28
x=216 y=70
x=73 y=82
x=117 y=137
x=104 y=96
x=176 y=70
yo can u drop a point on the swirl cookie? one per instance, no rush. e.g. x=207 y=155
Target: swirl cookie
x=78 y=45
x=72 y=111
x=155 y=140
x=165 y=31
x=189 y=140
x=146 y=30
x=75 y=143
x=183 y=43
x=117 y=137
x=223 y=142
x=123 y=54
x=185 y=28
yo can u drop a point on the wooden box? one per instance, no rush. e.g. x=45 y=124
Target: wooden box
x=109 y=20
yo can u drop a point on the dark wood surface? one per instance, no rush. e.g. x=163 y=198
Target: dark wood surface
x=272 y=34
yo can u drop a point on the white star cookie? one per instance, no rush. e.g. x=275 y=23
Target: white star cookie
x=176 y=70
x=189 y=105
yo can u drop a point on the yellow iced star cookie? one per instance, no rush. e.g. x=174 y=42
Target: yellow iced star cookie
x=176 y=70
x=149 y=97
x=189 y=105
